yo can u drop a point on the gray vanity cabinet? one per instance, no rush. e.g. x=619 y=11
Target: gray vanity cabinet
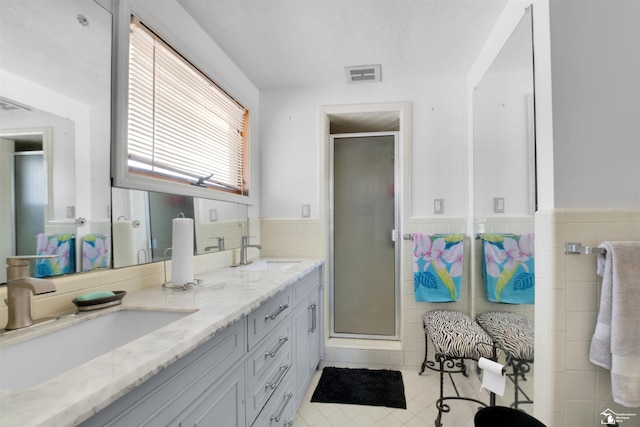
x=220 y=405
x=212 y=373
x=307 y=332
x=253 y=373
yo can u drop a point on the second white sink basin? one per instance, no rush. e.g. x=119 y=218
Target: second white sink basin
x=28 y=363
x=271 y=265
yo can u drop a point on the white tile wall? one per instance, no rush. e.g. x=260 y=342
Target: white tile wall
x=569 y=390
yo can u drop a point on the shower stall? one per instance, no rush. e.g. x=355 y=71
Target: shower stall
x=364 y=258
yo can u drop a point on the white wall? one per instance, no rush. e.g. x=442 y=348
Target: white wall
x=501 y=143
x=595 y=59
x=290 y=145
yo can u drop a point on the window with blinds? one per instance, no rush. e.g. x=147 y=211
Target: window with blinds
x=181 y=125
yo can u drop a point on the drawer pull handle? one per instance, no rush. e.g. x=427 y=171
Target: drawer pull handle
x=273 y=353
x=313 y=319
x=287 y=398
x=275 y=314
x=283 y=371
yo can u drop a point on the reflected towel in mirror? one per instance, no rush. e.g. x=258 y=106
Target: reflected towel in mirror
x=95 y=251
x=63 y=245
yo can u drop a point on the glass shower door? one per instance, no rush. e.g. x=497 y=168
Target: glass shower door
x=364 y=255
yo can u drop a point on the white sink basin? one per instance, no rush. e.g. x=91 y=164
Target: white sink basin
x=28 y=363
x=271 y=265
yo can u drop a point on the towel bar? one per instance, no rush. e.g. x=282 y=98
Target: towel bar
x=576 y=248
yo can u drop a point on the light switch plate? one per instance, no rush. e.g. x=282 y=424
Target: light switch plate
x=498 y=204
x=438 y=206
x=306 y=211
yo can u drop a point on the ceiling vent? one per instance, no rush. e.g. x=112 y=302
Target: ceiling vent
x=9 y=105
x=363 y=73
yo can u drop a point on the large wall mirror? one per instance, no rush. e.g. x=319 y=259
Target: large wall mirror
x=504 y=176
x=143 y=220
x=54 y=124
x=55 y=136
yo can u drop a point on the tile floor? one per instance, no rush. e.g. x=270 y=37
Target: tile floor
x=421 y=392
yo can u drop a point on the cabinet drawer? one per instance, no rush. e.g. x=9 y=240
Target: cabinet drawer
x=267 y=366
x=268 y=352
x=303 y=286
x=280 y=410
x=266 y=317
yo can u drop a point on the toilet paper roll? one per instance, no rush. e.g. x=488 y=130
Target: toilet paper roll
x=182 y=251
x=493 y=376
x=123 y=244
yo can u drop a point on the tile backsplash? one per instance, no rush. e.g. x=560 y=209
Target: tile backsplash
x=569 y=389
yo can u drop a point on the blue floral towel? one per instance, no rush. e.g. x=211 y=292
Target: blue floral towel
x=508 y=268
x=437 y=266
x=63 y=245
x=95 y=251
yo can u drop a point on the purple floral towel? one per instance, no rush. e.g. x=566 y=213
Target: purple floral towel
x=437 y=267
x=508 y=271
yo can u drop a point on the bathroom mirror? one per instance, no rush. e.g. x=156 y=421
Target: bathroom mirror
x=504 y=168
x=55 y=80
x=142 y=224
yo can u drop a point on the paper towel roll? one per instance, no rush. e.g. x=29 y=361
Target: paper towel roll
x=182 y=251
x=493 y=378
x=123 y=244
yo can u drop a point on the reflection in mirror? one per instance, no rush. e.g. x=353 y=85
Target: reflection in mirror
x=54 y=100
x=504 y=185
x=142 y=224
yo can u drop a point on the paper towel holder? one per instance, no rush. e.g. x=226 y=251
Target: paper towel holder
x=168 y=285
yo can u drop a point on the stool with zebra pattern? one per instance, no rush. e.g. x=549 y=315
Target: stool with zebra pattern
x=455 y=337
x=513 y=333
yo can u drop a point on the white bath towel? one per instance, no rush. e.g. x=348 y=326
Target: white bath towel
x=616 y=340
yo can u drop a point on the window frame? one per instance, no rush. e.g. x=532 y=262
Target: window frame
x=120 y=174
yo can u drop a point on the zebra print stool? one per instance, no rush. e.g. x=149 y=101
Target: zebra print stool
x=513 y=333
x=455 y=336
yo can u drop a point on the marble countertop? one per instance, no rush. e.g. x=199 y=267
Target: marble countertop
x=224 y=296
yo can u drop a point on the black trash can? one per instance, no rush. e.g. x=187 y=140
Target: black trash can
x=501 y=416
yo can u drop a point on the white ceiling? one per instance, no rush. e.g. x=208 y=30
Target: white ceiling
x=280 y=43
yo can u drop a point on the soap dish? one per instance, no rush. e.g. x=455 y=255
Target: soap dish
x=98 y=303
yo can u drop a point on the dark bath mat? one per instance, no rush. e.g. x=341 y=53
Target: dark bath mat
x=361 y=387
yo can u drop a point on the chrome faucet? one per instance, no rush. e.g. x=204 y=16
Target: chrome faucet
x=244 y=244
x=19 y=289
x=220 y=245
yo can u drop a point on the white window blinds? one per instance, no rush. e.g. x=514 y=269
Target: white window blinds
x=181 y=126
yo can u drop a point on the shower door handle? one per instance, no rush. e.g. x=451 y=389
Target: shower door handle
x=394 y=235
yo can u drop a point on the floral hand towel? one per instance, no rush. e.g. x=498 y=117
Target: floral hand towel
x=95 y=251
x=437 y=267
x=508 y=268
x=63 y=245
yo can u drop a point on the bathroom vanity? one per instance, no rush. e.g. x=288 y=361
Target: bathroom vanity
x=243 y=357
